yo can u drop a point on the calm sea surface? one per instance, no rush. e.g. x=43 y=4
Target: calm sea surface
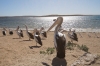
x=80 y=23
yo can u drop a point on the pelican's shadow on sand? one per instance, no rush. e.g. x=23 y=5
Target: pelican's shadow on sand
x=2 y=36
x=16 y=38
x=45 y=64
x=59 y=62
x=27 y=40
x=31 y=47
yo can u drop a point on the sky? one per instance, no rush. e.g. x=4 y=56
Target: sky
x=48 y=7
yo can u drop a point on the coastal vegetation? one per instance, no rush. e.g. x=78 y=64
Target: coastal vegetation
x=69 y=46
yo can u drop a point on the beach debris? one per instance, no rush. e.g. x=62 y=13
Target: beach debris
x=85 y=59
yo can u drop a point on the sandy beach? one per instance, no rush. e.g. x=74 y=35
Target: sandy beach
x=17 y=52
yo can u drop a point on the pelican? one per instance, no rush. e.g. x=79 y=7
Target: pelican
x=80 y=35
x=96 y=35
x=10 y=32
x=4 y=31
x=72 y=35
x=37 y=37
x=19 y=32
x=43 y=33
x=89 y=35
x=30 y=35
x=59 y=38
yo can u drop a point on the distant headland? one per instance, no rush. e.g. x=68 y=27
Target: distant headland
x=47 y=15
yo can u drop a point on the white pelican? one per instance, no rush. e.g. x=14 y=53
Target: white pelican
x=30 y=35
x=37 y=37
x=43 y=33
x=72 y=35
x=19 y=32
x=4 y=31
x=59 y=38
x=10 y=32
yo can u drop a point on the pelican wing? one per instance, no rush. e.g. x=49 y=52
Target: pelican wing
x=44 y=34
x=75 y=37
x=4 y=32
x=10 y=32
x=61 y=43
x=31 y=35
x=38 y=39
x=70 y=36
x=21 y=34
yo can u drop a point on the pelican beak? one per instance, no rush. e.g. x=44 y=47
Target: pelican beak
x=54 y=24
x=58 y=21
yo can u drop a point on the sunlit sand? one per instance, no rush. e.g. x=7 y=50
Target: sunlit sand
x=22 y=52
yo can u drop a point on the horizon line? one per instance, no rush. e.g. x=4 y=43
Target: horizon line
x=51 y=15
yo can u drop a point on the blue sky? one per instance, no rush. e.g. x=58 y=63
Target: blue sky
x=46 y=7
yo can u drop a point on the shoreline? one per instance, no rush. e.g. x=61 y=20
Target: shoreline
x=67 y=29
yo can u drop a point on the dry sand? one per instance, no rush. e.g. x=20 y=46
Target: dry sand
x=17 y=52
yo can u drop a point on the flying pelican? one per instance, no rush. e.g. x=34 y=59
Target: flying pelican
x=19 y=32
x=72 y=35
x=10 y=32
x=37 y=37
x=30 y=35
x=4 y=31
x=43 y=33
x=59 y=38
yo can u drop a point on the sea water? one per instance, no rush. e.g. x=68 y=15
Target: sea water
x=79 y=23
